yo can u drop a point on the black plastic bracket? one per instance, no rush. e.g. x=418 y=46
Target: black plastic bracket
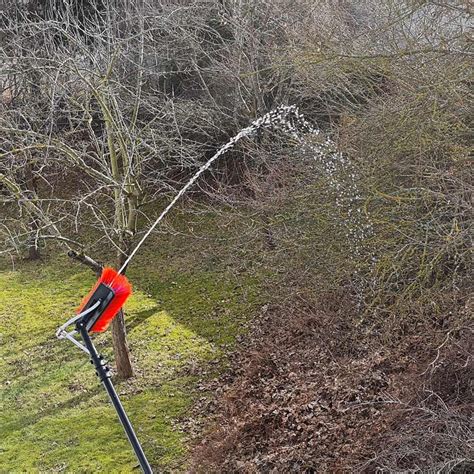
x=104 y=294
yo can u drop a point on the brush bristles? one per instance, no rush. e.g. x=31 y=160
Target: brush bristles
x=122 y=290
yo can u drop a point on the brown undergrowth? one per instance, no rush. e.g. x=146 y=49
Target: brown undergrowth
x=312 y=391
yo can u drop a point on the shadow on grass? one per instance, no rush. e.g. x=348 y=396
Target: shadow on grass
x=53 y=410
x=140 y=318
x=213 y=305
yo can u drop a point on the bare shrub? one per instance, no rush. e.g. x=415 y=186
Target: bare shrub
x=434 y=432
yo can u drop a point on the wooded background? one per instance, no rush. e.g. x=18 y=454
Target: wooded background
x=108 y=107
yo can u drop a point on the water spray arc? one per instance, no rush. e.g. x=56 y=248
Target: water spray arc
x=286 y=119
x=278 y=118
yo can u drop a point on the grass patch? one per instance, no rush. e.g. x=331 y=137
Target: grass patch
x=54 y=416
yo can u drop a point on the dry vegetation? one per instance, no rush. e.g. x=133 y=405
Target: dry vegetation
x=362 y=359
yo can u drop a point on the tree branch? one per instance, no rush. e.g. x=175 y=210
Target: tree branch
x=96 y=267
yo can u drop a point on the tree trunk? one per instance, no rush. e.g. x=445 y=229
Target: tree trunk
x=119 y=166
x=33 y=250
x=121 y=352
x=119 y=339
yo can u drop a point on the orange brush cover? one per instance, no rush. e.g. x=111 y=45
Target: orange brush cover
x=122 y=290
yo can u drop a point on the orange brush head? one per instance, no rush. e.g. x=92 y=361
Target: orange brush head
x=121 y=289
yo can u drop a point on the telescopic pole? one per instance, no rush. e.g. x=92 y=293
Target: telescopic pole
x=103 y=373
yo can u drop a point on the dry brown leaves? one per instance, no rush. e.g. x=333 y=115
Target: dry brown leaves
x=308 y=392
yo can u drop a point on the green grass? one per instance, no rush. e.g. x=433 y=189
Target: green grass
x=54 y=415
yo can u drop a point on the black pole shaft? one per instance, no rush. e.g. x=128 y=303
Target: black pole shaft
x=104 y=376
